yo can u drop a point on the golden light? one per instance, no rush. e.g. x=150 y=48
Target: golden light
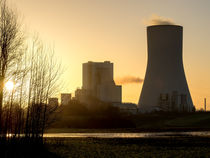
x=9 y=85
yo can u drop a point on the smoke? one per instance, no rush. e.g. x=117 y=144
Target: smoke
x=129 y=80
x=158 y=20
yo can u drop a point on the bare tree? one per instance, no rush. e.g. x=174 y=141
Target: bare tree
x=44 y=74
x=11 y=38
x=35 y=72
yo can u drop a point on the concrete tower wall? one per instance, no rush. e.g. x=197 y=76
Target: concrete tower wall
x=165 y=78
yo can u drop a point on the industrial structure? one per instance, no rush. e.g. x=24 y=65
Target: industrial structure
x=53 y=102
x=165 y=86
x=98 y=83
x=65 y=98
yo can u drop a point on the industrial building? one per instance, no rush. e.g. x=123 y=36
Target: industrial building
x=98 y=83
x=53 y=102
x=65 y=98
x=165 y=86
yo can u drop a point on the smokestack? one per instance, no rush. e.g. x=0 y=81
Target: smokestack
x=165 y=72
x=205 y=104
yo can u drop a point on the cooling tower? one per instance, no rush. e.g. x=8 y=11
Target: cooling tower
x=165 y=87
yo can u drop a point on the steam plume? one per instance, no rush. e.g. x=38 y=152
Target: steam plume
x=158 y=20
x=129 y=80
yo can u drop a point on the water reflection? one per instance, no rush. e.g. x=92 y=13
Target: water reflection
x=127 y=135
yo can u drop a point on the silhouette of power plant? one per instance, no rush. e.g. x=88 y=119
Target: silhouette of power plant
x=165 y=86
x=65 y=100
x=98 y=83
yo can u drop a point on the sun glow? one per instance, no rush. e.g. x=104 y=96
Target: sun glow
x=9 y=85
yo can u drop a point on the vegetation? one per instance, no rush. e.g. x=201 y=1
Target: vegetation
x=97 y=115
x=173 y=121
x=24 y=109
x=25 y=112
x=20 y=148
x=188 y=147
x=74 y=119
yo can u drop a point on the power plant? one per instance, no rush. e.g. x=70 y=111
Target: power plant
x=165 y=87
x=65 y=98
x=98 y=83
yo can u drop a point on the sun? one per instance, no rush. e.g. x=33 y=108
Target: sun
x=9 y=85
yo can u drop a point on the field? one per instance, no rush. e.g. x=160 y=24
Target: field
x=154 y=122
x=161 y=147
x=191 y=147
x=187 y=146
x=198 y=121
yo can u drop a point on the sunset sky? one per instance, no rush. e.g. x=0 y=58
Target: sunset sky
x=115 y=30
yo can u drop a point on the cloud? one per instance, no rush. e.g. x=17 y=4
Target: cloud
x=129 y=80
x=158 y=20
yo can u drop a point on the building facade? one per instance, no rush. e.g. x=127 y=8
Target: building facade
x=65 y=98
x=98 y=83
x=53 y=102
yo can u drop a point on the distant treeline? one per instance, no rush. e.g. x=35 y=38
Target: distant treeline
x=101 y=115
x=95 y=115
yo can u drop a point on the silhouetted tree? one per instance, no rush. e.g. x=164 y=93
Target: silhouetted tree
x=11 y=39
x=35 y=72
x=43 y=83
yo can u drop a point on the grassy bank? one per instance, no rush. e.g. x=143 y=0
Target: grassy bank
x=103 y=116
x=144 y=147
x=24 y=148
x=124 y=130
x=154 y=122
x=187 y=147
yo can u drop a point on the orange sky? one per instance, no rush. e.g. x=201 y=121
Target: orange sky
x=99 y=30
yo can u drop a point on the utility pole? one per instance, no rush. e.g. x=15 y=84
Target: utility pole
x=205 y=104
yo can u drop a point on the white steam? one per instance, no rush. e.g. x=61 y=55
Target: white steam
x=129 y=80
x=158 y=20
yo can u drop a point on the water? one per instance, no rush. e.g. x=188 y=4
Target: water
x=127 y=135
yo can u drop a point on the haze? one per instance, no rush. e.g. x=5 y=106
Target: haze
x=99 y=30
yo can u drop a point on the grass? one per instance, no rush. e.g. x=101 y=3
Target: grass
x=90 y=130
x=190 y=121
x=163 y=147
x=154 y=122
x=20 y=148
x=187 y=147
x=143 y=147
